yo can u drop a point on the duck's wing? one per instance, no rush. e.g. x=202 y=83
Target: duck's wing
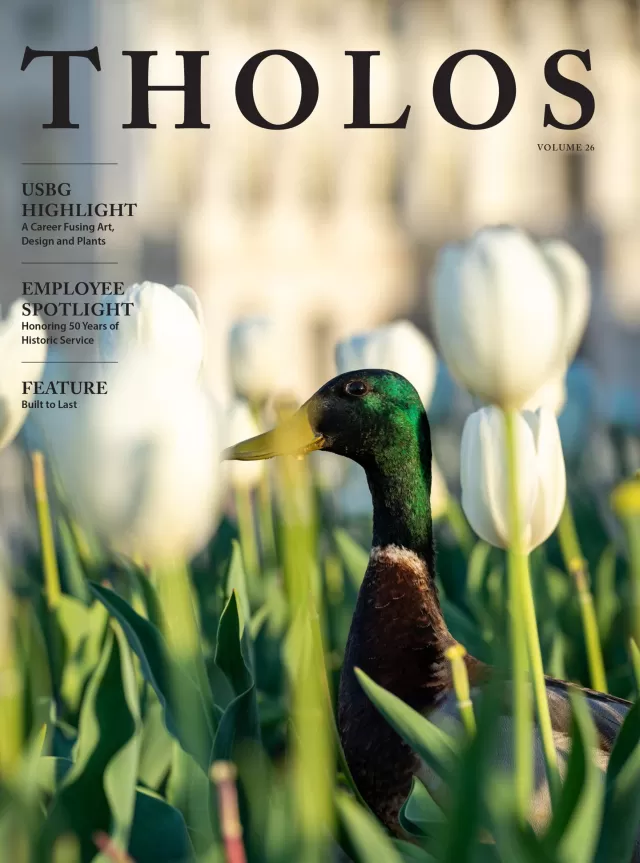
x=607 y=711
x=608 y=714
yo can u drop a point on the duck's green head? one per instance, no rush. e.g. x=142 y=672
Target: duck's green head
x=371 y=416
x=375 y=418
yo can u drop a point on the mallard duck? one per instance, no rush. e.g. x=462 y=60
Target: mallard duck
x=398 y=634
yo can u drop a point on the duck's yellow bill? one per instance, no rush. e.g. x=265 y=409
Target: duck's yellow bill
x=294 y=436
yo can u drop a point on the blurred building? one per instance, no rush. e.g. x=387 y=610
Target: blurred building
x=333 y=230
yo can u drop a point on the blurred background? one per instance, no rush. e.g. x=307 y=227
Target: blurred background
x=333 y=231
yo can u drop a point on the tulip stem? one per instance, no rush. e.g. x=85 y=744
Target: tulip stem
x=49 y=562
x=539 y=684
x=577 y=567
x=525 y=640
x=635 y=662
x=522 y=720
x=456 y=655
x=633 y=539
x=246 y=526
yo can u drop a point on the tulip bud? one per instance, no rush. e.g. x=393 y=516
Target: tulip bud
x=541 y=475
x=12 y=356
x=256 y=358
x=140 y=465
x=163 y=322
x=399 y=347
x=498 y=315
x=240 y=426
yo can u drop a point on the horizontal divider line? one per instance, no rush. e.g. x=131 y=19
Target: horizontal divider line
x=69 y=163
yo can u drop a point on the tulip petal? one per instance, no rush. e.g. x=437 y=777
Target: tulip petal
x=572 y=275
x=497 y=313
x=474 y=504
x=484 y=475
x=552 y=485
x=141 y=466
x=161 y=322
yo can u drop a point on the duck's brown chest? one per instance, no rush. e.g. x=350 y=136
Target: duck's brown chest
x=398 y=637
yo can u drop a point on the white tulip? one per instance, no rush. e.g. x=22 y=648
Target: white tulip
x=140 y=465
x=572 y=276
x=541 y=475
x=498 y=315
x=241 y=425
x=256 y=358
x=12 y=371
x=399 y=347
x=165 y=322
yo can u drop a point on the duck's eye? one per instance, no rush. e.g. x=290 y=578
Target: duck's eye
x=356 y=388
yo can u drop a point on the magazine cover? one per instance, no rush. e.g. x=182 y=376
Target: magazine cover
x=320 y=431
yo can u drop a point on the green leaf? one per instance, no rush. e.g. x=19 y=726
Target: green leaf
x=120 y=774
x=33 y=659
x=606 y=598
x=156 y=664
x=157 y=745
x=575 y=825
x=98 y=792
x=159 y=832
x=237 y=580
x=240 y=720
x=621 y=822
x=420 y=815
x=635 y=662
x=365 y=833
x=432 y=744
x=72 y=569
x=476 y=570
x=83 y=630
x=189 y=790
x=51 y=773
x=412 y=853
x=354 y=557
